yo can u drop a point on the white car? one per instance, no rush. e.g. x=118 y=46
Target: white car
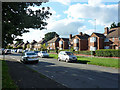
x=19 y=51
x=29 y=57
x=43 y=54
x=67 y=56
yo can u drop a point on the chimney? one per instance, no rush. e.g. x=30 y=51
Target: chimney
x=106 y=30
x=80 y=33
x=70 y=36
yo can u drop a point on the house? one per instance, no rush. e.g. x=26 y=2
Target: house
x=38 y=45
x=53 y=43
x=79 y=42
x=64 y=43
x=31 y=45
x=25 y=45
x=96 y=41
x=113 y=35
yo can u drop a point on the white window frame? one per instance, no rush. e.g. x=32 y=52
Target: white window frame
x=92 y=39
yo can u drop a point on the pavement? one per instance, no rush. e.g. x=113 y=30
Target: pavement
x=26 y=78
x=74 y=75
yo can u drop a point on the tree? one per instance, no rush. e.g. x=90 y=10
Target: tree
x=50 y=35
x=17 y=18
x=114 y=25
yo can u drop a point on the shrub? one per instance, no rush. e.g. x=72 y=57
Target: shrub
x=107 y=53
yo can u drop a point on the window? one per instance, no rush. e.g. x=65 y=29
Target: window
x=119 y=38
x=50 y=44
x=106 y=47
x=93 y=39
x=106 y=40
x=113 y=39
x=60 y=42
x=53 y=43
x=92 y=48
x=76 y=40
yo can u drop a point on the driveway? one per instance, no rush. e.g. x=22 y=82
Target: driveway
x=75 y=75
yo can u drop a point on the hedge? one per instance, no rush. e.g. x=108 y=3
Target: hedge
x=108 y=53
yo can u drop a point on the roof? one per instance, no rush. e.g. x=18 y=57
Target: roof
x=42 y=41
x=99 y=34
x=33 y=42
x=55 y=39
x=114 y=33
x=65 y=39
x=84 y=36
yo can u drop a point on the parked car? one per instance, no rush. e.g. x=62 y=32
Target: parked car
x=29 y=57
x=19 y=50
x=67 y=56
x=36 y=52
x=43 y=54
x=25 y=51
x=7 y=51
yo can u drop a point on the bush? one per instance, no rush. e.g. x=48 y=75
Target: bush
x=83 y=52
x=107 y=53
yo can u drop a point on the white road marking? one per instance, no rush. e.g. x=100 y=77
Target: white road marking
x=90 y=78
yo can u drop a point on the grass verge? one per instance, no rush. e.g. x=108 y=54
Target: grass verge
x=7 y=82
x=108 y=62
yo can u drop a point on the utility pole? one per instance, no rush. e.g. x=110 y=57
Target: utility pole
x=95 y=25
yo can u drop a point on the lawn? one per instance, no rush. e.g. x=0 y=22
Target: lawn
x=108 y=62
x=7 y=82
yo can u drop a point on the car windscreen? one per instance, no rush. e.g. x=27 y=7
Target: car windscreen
x=43 y=52
x=69 y=53
x=36 y=51
x=31 y=54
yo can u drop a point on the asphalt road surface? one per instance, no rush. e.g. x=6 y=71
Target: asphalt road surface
x=74 y=75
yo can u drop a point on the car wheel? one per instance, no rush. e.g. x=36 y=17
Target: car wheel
x=66 y=60
x=37 y=61
x=58 y=59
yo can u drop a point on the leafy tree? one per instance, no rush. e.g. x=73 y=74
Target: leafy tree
x=50 y=35
x=113 y=25
x=17 y=18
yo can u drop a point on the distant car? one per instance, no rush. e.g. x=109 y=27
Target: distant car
x=7 y=51
x=43 y=54
x=19 y=50
x=67 y=56
x=36 y=52
x=29 y=57
x=25 y=51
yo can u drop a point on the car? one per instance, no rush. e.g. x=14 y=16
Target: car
x=19 y=51
x=25 y=50
x=36 y=52
x=67 y=56
x=29 y=57
x=43 y=54
x=7 y=51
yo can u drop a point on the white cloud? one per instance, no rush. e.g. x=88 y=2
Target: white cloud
x=84 y=29
x=65 y=27
x=104 y=14
x=65 y=2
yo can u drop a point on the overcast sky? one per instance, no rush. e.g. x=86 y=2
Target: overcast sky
x=72 y=17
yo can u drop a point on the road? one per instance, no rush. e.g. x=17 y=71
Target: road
x=74 y=75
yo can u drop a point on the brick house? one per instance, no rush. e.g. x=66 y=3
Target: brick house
x=114 y=38
x=38 y=45
x=79 y=42
x=96 y=41
x=31 y=45
x=64 y=43
x=25 y=45
x=53 y=43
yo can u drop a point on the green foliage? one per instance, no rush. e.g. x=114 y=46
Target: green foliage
x=50 y=35
x=17 y=18
x=108 y=53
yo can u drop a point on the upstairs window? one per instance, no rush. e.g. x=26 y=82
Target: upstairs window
x=113 y=39
x=119 y=38
x=93 y=39
x=106 y=40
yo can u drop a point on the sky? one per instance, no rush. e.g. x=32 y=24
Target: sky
x=74 y=16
